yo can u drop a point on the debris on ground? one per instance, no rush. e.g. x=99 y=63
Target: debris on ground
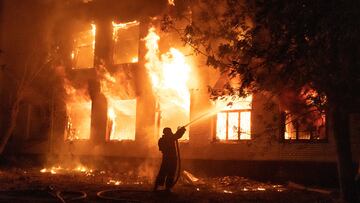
x=134 y=186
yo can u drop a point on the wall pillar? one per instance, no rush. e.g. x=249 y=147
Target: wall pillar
x=145 y=109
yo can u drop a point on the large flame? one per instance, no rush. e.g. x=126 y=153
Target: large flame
x=121 y=109
x=78 y=109
x=169 y=73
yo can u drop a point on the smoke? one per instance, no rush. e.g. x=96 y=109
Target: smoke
x=148 y=169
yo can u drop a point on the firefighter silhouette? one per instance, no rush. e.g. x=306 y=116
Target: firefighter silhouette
x=167 y=145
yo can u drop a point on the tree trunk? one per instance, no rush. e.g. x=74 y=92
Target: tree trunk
x=346 y=170
x=14 y=110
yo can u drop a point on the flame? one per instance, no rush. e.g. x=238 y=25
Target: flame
x=78 y=108
x=83 y=51
x=134 y=59
x=118 y=26
x=93 y=31
x=234 y=119
x=171 y=2
x=122 y=26
x=125 y=35
x=112 y=116
x=58 y=169
x=169 y=74
x=121 y=112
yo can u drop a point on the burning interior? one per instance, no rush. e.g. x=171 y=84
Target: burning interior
x=170 y=74
x=124 y=80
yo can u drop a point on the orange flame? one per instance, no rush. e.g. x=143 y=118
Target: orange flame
x=234 y=119
x=78 y=108
x=171 y=2
x=119 y=26
x=169 y=74
x=121 y=112
x=58 y=169
x=93 y=31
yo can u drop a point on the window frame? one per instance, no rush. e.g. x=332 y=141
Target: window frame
x=227 y=126
x=282 y=132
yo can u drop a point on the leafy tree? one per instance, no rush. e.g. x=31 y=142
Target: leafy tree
x=305 y=53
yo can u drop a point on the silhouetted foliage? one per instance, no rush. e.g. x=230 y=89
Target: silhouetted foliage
x=305 y=53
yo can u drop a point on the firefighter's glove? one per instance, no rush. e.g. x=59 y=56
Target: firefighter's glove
x=182 y=129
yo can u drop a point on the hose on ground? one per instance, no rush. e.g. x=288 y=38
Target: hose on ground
x=178 y=170
x=38 y=195
x=106 y=194
x=76 y=195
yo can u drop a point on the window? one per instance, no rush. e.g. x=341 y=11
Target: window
x=78 y=113
x=82 y=55
x=306 y=128
x=233 y=122
x=126 y=42
x=121 y=120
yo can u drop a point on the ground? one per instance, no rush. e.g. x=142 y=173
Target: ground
x=32 y=185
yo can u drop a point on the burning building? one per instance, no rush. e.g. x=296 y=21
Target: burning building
x=123 y=80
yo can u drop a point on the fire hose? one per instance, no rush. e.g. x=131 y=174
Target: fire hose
x=106 y=194
x=178 y=173
x=41 y=195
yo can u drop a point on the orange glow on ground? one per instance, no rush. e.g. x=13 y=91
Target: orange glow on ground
x=60 y=170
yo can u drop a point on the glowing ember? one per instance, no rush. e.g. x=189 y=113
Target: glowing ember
x=169 y=74
x=59 y=169
x=261 y=189
x=114 y=182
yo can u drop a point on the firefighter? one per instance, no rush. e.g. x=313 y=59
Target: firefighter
x=167 y=145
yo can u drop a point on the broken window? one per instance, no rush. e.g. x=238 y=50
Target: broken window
x=126 y=42
x=309 y=127
x=121 y=120
x=233 y=122
x=83 y=48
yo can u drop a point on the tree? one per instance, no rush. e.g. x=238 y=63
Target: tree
x=28 y=60
x=306 y=48
x=23 y=87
